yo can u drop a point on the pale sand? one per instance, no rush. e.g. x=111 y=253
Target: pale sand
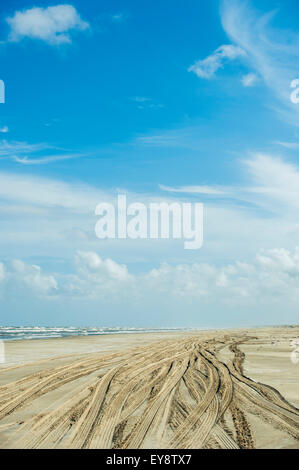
x=152 y=390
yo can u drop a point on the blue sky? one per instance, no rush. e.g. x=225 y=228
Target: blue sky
x=176 y=101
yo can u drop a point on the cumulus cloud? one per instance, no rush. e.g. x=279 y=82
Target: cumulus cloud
x=22 y=275
x=93 y=277
x=4 y=129
x=271 y=277
x=52 y=24
x=96 y=277
x=208 y=67
x=90 y=262
x=273 y=274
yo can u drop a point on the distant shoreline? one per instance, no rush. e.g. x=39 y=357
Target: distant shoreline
x=15 y=333
x=47 y=333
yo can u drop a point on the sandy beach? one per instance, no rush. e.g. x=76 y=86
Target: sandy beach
x=176 y=390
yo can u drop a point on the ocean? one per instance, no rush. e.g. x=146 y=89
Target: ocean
x=10 y=333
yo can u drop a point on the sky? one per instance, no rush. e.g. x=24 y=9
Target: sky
x=162 y=101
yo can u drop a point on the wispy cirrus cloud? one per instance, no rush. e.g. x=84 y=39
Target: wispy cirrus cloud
x=119 y=17
x=271 y=53
x=34 y=154
x=249 y=80
x=53 y=25
x=207 y=190
x=272 y=185
x=159 y=140
x=275 y=182
x=45 y=160
x=47 y=193
x=241 y=218
x=143 y=102
x=179 y=138
x=288 y=145
x=10 y=148
x=208 y=67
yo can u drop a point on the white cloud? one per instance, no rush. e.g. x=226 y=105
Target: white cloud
x=92 y=263
x=32 y=277
x=274 y=273
x=8 y=149
x=180 y=138
x=272 y=184
x=45 y=160
x=160 y=140
x=208 y=67
x=52 y=24
x=94 y=277
x=4 y=129
x=97 y=278
x=288 y=145
x=239 y=220
x=249 y=80
x=119 y=17
x=146 y=103
x=208 y=190
x=271 y=278
x=276 y=181
x=49 y=193
x=141 y=99
x=263 y=214
x=19 y=151
x=271 y=53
